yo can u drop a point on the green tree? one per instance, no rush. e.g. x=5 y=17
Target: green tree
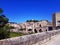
x=3 y=20
x=1 y=11
x=32 y=21
x=4 y=28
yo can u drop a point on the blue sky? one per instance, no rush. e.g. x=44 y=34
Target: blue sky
x=21 y=10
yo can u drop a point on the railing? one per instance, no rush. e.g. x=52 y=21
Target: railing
x=33 y=39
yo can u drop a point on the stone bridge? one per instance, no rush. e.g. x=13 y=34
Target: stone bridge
x=44 y=38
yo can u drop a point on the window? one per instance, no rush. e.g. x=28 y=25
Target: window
x=40 y=30
x=40 y=25
x=35 y=30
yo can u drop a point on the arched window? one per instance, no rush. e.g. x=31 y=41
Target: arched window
x=40 y=30
x=35 y=30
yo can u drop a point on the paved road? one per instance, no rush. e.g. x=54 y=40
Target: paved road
x=54 y=41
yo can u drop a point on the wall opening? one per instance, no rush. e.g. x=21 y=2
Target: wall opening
x=35 y=30
x=46 y=29
x=29 y=29
x=40 y=25
x=58 y=27
x=50 y=28
x=40 y=30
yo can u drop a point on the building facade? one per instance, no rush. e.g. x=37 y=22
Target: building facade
x=56 y=20
x=43 y=25
x=28 y=27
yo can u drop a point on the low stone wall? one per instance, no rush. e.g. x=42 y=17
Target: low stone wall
x=33 y=39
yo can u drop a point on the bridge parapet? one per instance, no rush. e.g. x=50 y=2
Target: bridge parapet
x=33 y=39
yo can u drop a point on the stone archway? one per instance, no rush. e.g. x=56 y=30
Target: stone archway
x=35 y=30
x=40 y=30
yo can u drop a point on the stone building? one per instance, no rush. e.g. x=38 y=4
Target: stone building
x=43 y=25
x=28 y=27
x=15 y=25
x=38 y=26
x=56 y=20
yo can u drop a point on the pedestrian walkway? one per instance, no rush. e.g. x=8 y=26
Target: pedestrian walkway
x=53 y=41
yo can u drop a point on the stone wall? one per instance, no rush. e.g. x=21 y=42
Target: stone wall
x=33 y=39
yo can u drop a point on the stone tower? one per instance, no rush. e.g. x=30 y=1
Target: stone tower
x=56 y=20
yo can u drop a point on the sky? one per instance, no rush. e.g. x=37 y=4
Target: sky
x=21 y=10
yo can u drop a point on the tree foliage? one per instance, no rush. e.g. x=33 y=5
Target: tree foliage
x=3 y=20
x=1 y=11
x=4 y=28
x=32 y=21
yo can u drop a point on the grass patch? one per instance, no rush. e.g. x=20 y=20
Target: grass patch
x=15 y=34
